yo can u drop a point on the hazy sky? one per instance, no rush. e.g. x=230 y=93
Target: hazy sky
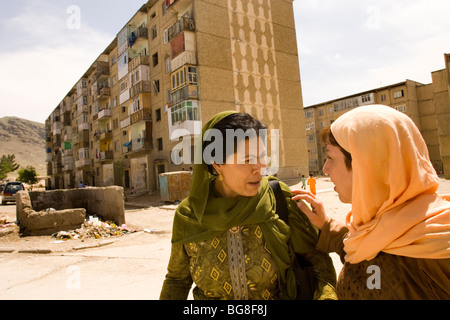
x=345 y=46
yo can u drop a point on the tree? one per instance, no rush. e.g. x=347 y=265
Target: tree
x=7 y=164
x=27 y=175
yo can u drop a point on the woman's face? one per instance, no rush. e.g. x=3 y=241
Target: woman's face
x=339 y=174
x=241 y=174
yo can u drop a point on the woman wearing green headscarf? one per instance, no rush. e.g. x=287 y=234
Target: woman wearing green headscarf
x=227 y=237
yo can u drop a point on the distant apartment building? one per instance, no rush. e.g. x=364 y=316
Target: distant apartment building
x=428 y=105
x=175 y=64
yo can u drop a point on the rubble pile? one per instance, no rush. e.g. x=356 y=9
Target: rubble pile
x=4 y=222
x=94 y=228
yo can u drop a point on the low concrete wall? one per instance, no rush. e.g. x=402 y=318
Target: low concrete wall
x=39 y=223
x=107 y=203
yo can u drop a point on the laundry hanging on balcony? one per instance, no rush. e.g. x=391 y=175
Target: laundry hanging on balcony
x=132 y=39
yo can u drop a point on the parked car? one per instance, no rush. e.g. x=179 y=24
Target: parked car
x=9 y=193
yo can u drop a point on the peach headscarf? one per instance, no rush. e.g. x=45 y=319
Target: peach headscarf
x=395 y=207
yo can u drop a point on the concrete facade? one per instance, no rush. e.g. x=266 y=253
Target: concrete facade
x=428 y=105
x=174 y=65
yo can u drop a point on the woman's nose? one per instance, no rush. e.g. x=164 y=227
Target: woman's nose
x=325 y=168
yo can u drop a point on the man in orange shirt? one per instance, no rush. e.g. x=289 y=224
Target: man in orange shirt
x=312 y=184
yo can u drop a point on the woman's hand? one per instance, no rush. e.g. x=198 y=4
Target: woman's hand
x=317 y=215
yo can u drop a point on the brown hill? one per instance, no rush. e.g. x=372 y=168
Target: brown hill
x=26 y=140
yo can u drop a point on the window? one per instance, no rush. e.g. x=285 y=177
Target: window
x=184 y=77
x=309 y=113
x=166 y=35
x=83 y=153
x=401 y=108
x=168 y=65
x=155 y=59
x=158 y=115
x=399 y=94
x=154 y=32
x=156 y=86
x=311 y=138
x=160 y=144
x=123 y=86
x=310 y=126
x=366 y=98
x=383 y=97
x=136 y=104
x=187 y=110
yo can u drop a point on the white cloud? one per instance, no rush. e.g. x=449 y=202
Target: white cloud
x=44 y=60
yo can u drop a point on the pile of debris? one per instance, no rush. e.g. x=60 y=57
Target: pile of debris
x=94 y=228
x=6 y=227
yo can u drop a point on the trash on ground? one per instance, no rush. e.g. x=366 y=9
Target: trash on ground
x=94 y=228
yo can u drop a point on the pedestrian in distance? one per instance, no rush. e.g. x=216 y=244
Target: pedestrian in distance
x=303 y=182
x=312 y=184
x=395 y=243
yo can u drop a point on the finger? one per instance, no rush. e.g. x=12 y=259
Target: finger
x=306 y=197
x=298 y=192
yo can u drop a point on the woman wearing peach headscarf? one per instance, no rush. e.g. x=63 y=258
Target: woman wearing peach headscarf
x=396 y=242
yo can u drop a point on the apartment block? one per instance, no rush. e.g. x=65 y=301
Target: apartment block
x=175 y=64
x=428 y=105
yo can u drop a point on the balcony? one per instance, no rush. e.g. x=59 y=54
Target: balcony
x=124 y=97
x=181 y=25
x=104 y=93
x=186 y=93
x=185 y=41
x=105 y=113
x=138 y=34
x=57 y=127
x=187 y=57
x=141 y=115
x=178 y=5
x=143 y=86
x=125 y=123
x=83 y=126
x=68 y=163
x=82 y=163
x=105 y=136
x=136 y=62
x=185 y=119
x=105 y=156
x=102 y=71
x=137 y=145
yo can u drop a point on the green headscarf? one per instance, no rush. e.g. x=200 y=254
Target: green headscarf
x=203 y=215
